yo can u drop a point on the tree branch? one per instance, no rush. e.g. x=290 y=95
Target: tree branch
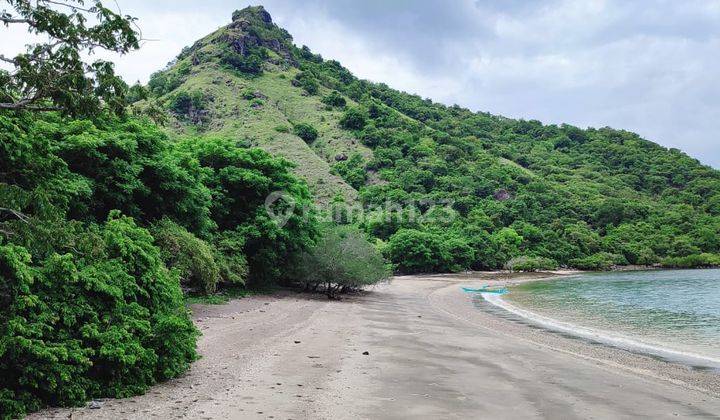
x=15 y=20
x=23 y=217
x=7 y=60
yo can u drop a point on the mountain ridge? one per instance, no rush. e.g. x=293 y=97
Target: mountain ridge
x=368 y=143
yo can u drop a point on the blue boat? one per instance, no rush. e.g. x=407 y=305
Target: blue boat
x=485 y=289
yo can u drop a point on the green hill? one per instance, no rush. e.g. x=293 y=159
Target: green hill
x=488 y=188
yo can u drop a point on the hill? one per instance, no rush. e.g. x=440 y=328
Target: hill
x=477 y=190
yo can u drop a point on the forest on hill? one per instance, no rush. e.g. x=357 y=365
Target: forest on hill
x=117 y=200
x=467 y=190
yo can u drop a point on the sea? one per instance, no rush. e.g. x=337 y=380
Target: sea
x=671 y=314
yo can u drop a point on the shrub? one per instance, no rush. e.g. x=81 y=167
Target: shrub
x=354 y=118
x=230 y=257
x=250 y=63
x=307 y=82
x=342 y=259
x=240 y=181
x=692 y=261
x=599 y=261
x=107 y=320
x=282 y=129
x=530 y=263
x=305 y=131
x=334 y=99
x=352 y=170
x=185 y=103
x=192 y=257
x=416 y=251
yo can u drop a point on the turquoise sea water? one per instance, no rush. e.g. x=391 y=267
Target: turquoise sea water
x=671 y=313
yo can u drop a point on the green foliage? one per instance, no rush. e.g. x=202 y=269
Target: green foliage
x=415 y=251
x=599 y=261
x=52 y=75
x=335 y=99
x=568 y=193
x=240 y=180
x=183 y=103
x=529 y=263
x=307 y=82
x=193 y=258
x=246 y=59
x=354 y=118
x=137 y=92
x=341 y=260
x=692 y=261
x=105 y=320
x=282 y=129
x=230 y=257
x=204 y=198
x=305 y=131
x=352 y=171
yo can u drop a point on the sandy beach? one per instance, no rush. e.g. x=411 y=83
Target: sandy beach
x=414 y=348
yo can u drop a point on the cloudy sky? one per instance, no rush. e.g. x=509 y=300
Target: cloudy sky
x=648 y=66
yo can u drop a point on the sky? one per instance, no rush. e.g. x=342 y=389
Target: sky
x=651 y=67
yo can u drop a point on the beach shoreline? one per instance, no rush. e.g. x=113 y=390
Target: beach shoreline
x=415 y=347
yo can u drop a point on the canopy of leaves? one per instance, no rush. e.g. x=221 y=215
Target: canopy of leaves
x=103 y=320
x=52 y=75
x=342 y=259
x=90 y=307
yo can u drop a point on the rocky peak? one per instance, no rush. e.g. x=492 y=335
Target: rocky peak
x=252 y=13
x=253 y=27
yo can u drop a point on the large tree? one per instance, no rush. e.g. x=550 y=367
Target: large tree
x=52 y=75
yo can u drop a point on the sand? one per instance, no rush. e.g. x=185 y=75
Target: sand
x=414 y=348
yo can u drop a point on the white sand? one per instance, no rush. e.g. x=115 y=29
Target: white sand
x=432 y=355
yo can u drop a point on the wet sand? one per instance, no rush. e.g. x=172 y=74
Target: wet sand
x=430 y=354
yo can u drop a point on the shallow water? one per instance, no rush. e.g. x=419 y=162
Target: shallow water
x=664 y=312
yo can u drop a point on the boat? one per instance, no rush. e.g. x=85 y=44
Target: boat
x=485 y=289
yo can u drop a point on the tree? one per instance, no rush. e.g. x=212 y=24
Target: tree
x=354 y=118
x=305 y=131
x=342 y=259
x=334 y=99
x=106 y=319
x=52 y=75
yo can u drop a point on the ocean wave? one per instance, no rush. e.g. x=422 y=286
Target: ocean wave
x=605 y=337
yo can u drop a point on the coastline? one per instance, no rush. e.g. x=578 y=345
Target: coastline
x=657 y=365
x=416 y=347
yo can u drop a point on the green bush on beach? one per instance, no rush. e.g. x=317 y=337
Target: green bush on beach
x=692 y=261
x=530 y=263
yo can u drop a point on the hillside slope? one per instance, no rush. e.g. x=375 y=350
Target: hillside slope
x=477 y=190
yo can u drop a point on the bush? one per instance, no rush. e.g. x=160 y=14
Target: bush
x=192 y=257
x=416 y=251
x=692 y=261
x=307 y=82
x=529 y=263
x=305 y=131
x=352 y=171
x=354 y=118
x=334 y=99
x=342 y=259
x=240 y=181
x=107 y=320
x=251 y=63
x=599 y=261
x=230 y=257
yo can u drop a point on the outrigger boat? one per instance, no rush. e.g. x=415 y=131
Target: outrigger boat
x=485 y=289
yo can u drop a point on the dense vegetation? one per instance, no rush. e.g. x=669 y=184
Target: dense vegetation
x=107 y=217
x=586 y=198
x=473 y=190
x=101 y=222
